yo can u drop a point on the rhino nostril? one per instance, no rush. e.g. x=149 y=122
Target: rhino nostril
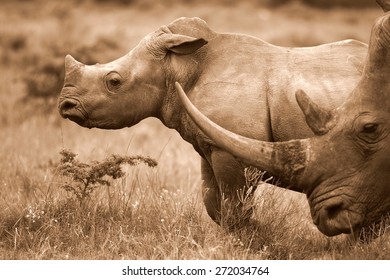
x=67 y=105
x=334 y=209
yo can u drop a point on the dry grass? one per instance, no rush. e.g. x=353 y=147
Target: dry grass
x=150 y=213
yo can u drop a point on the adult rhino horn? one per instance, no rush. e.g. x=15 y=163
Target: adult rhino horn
x=71 y=64
x=385 y=5
x=378 y=51
x=285 y=160
x=317 y=118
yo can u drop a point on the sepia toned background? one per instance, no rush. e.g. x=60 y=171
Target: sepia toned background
x=150 y=213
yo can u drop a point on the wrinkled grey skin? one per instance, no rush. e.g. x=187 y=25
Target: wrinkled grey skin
x=242 y=83
x=345 y=168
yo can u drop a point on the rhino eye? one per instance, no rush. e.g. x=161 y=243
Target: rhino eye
x=370 y=132
x=113 y=81
x=370 y=128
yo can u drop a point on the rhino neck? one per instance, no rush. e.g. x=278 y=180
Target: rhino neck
x=186 y=69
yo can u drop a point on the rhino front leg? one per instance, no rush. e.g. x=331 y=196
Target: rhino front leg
x=210 y=192
x=223 y=180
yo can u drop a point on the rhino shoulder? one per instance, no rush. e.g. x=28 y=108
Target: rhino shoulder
x=356 y=52
x=353 y=51
x=194 y=27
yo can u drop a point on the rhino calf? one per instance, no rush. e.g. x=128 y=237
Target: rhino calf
x=242 y=83
x=345 y=168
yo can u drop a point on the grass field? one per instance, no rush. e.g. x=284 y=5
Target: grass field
x=151 y=213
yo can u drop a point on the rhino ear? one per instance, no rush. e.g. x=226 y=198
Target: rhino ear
x=317 y=118
x=385 y=5
x=181 y=44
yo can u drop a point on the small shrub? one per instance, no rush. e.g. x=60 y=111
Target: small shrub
x=84 y=178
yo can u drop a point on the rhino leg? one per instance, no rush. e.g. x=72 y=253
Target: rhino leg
x=222 y=183
x=210 y=192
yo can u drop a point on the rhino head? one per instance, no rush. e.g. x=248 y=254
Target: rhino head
x=344 y=169
x=125 y=91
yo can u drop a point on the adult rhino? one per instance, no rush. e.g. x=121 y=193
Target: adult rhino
x=243 y=83
x=345 y=168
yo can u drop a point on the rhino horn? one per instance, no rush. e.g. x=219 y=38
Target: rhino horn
x=385 y=5
x=379 y=50
x=317 y=118
x=71 y=64
x=286 y=160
